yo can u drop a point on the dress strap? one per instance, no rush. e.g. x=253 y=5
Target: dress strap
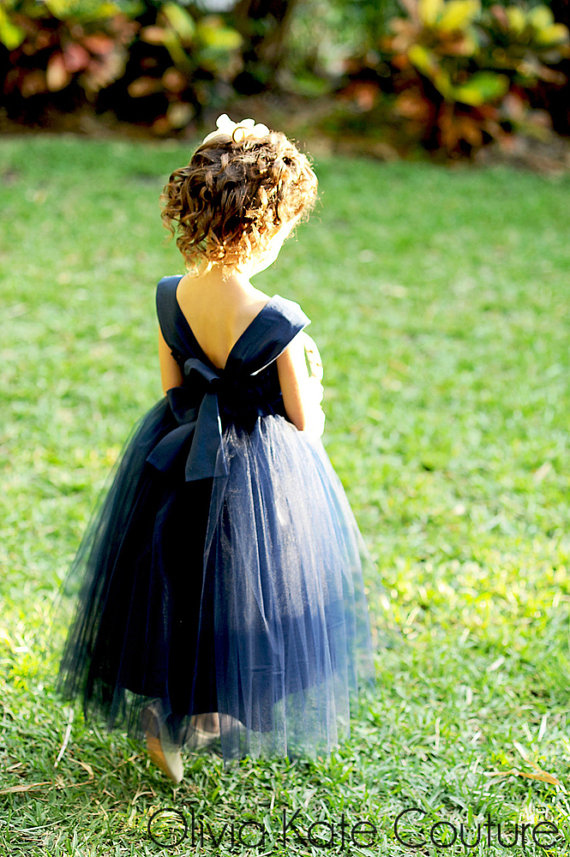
x=166 y=310
x=280 y=321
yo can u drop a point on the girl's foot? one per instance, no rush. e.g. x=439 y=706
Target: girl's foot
x=202 y=731
x=160 y=746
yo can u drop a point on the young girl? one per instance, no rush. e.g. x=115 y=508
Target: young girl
x=221 y=599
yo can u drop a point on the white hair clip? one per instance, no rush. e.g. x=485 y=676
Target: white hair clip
x=238 y=131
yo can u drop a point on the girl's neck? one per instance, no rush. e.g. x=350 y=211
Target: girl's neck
x=221 y=280
x=224 y=276
x=223 y=288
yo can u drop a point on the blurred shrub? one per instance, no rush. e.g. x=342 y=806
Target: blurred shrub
x=153 y=62
x=346 y=28
x=51 y=45
x=264 y=25
x=447 y=74
x=461 y=75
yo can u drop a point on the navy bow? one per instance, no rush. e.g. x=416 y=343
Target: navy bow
x=200 y=422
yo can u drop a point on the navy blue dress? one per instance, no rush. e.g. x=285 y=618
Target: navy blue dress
x=221 y=569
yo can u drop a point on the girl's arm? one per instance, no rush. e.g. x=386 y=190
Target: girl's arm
x=302 y=393
x=170 y=372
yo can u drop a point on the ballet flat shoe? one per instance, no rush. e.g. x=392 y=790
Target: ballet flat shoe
x=201 y=739
x=160 y=747
x=197 y=738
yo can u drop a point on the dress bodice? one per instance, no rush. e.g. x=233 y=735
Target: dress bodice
x=210 y=398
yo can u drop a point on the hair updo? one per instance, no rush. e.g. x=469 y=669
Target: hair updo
x=229 y=201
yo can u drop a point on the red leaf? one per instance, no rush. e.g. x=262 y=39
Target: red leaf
x=500 y=15
x=144 y=86
x=153 y=35
x=75 y=57
x=57 y=75
x=33 y=82
x=102 y=71
x=98 y=43
x=173 y=80
x=161 y=125
x=412 y=105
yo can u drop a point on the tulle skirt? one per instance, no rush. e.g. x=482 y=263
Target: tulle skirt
x=236 y=600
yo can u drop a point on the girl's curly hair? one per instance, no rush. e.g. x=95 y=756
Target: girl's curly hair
x=233 y=196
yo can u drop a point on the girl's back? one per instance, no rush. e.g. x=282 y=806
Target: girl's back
x=218 y=315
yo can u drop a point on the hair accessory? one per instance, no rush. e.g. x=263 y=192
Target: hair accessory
x=238 y=131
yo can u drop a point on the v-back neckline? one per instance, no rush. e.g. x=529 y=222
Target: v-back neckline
x=238 y=340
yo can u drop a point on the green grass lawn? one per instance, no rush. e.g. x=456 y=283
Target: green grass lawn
x=439 y=301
